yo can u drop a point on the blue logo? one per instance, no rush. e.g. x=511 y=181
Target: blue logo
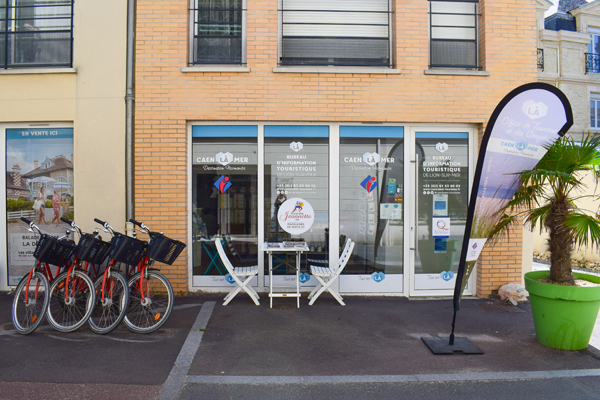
x=369 y=183
x=447 y=275
x=522 y=146
x=229 y=278
x=304 y=277
x=222 y=183
x=378 y=276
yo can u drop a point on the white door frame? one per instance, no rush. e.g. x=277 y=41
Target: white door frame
x=411 y=202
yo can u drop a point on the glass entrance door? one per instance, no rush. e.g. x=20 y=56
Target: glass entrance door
x=441 y=182
x=372 y=208
x=296 y=198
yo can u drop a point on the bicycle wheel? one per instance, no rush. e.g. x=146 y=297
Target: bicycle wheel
x=27 y=314
x=145 y=316
x=109 y=311
x=70 y=312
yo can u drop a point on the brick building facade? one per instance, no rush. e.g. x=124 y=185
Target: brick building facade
x=177 y=90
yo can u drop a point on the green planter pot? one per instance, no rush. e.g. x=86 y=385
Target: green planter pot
x=564 y=316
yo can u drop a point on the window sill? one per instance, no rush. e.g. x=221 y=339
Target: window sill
x=215 y=68
x=26 y=71
x=452 y=71
x=339 y=70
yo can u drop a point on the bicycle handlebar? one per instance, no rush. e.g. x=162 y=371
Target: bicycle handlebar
x=144 y=228
x=133 y=221
x=32 y=226
x=105 y=226
x=73 y=225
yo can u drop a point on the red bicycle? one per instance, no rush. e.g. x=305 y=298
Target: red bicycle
x=150 y=293
x=112 y=294
x=66 y=297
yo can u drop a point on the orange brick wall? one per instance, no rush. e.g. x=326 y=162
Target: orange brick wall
x=166 y=99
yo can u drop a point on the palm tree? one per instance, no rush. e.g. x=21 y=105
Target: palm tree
x=547 y=199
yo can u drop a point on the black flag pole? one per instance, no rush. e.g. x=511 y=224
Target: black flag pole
x=462 y=345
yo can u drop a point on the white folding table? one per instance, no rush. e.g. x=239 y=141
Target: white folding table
x=271 y=248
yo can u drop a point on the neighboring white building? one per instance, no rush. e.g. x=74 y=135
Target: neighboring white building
x=569 y=58
x=62 y=103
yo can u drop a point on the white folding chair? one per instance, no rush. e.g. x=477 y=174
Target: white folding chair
x=235 y=254
x=238 y=274
x=327 y=275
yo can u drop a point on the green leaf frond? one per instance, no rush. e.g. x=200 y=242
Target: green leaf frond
x=584 y=228
x=501 y=230
x=537 y=216
x=548 y=193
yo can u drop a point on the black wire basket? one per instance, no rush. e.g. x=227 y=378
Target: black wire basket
x=53 y=251
x=91 y=249
x=126 y=250
x=163 y=249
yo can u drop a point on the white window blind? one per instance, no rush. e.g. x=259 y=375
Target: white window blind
x=453 y=34
x=335 y=32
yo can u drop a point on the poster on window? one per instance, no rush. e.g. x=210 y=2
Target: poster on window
x=39 y=187
x=296 y=216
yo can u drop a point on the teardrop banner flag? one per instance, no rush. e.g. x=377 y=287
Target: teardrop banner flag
x=521 y=128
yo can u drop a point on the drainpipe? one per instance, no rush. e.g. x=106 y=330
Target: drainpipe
x=129 y=99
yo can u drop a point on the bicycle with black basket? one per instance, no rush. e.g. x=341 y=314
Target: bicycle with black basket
x=65 y=298
x=150 y=293
x=110 y=286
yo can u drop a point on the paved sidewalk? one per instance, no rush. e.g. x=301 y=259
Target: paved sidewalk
x=370 y=349
x=374 y=343
x=83 y=365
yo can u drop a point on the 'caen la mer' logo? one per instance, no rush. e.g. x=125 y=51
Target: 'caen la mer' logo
x=534 y=110
x=447 y=275
x=521 y=146
x=378 y=276
x=371 y=158
x=296 y=146
x=224 y=158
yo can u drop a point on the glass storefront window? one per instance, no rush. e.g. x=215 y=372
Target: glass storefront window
x=406 y=218
x=297 y=171
x=224 y=198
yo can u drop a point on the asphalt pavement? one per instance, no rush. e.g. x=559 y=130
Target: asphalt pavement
x=370 y=349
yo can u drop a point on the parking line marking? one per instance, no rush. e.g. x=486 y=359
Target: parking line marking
x=527 y=375
x=172 y=386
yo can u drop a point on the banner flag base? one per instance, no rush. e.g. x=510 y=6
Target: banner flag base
x=461 y=345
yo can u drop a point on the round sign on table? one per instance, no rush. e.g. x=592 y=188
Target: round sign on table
x=295 y=216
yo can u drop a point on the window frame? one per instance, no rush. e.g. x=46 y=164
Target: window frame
x=193 y=62
x=10 y=33
x=477 y=64
x=595 y=104
x=338 y=62
x=592 y=58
